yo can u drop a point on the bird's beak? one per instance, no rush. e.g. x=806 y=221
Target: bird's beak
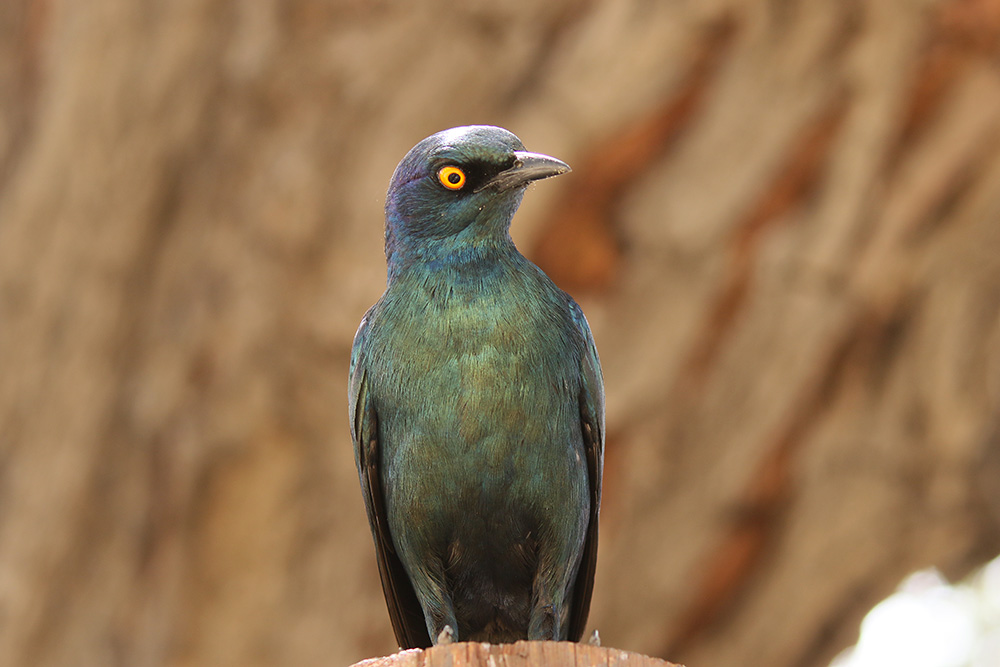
x=527 y=167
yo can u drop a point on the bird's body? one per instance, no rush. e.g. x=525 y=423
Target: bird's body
x=477 y=408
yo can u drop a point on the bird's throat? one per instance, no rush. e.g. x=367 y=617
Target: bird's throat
x=452 y=259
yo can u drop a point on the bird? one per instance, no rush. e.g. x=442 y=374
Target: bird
x=476 y=407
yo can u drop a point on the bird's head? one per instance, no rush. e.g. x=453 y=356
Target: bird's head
x=458 y=189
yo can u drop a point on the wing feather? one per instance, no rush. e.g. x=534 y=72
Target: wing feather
x=404 y=608
x=592 y=428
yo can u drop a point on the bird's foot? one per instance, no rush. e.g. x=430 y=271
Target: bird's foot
x=446 y=636
x=595 y=638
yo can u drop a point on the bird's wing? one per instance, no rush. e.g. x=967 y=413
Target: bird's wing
x=404 y=608
x=592 y=427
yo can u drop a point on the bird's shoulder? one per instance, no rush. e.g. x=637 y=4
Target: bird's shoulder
x=359 y=341
x=356 y=373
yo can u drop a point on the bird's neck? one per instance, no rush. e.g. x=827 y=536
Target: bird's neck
x=464 y=263
x=461 y=256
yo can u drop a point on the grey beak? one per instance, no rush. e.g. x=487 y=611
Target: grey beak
x=527 y=167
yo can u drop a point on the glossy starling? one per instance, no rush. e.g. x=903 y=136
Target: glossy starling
x=476 y=408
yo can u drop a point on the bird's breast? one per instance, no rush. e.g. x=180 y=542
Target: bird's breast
x=486 y=372
x=477 y=396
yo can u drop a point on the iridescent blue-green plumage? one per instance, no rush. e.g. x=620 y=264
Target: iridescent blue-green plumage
x=477 y=408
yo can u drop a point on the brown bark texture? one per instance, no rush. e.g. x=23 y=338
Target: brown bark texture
x=783 y=223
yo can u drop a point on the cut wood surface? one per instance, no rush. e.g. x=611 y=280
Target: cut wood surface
x=520 y=654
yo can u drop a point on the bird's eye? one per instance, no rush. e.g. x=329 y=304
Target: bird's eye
x=451 y=177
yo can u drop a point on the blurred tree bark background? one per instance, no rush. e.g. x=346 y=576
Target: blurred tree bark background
x=783 y=223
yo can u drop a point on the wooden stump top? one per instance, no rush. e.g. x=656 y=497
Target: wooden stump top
x=519 y=654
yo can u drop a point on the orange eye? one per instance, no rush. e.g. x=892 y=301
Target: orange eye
x=452 y=178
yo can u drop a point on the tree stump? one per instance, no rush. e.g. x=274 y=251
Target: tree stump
x=519 y=654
